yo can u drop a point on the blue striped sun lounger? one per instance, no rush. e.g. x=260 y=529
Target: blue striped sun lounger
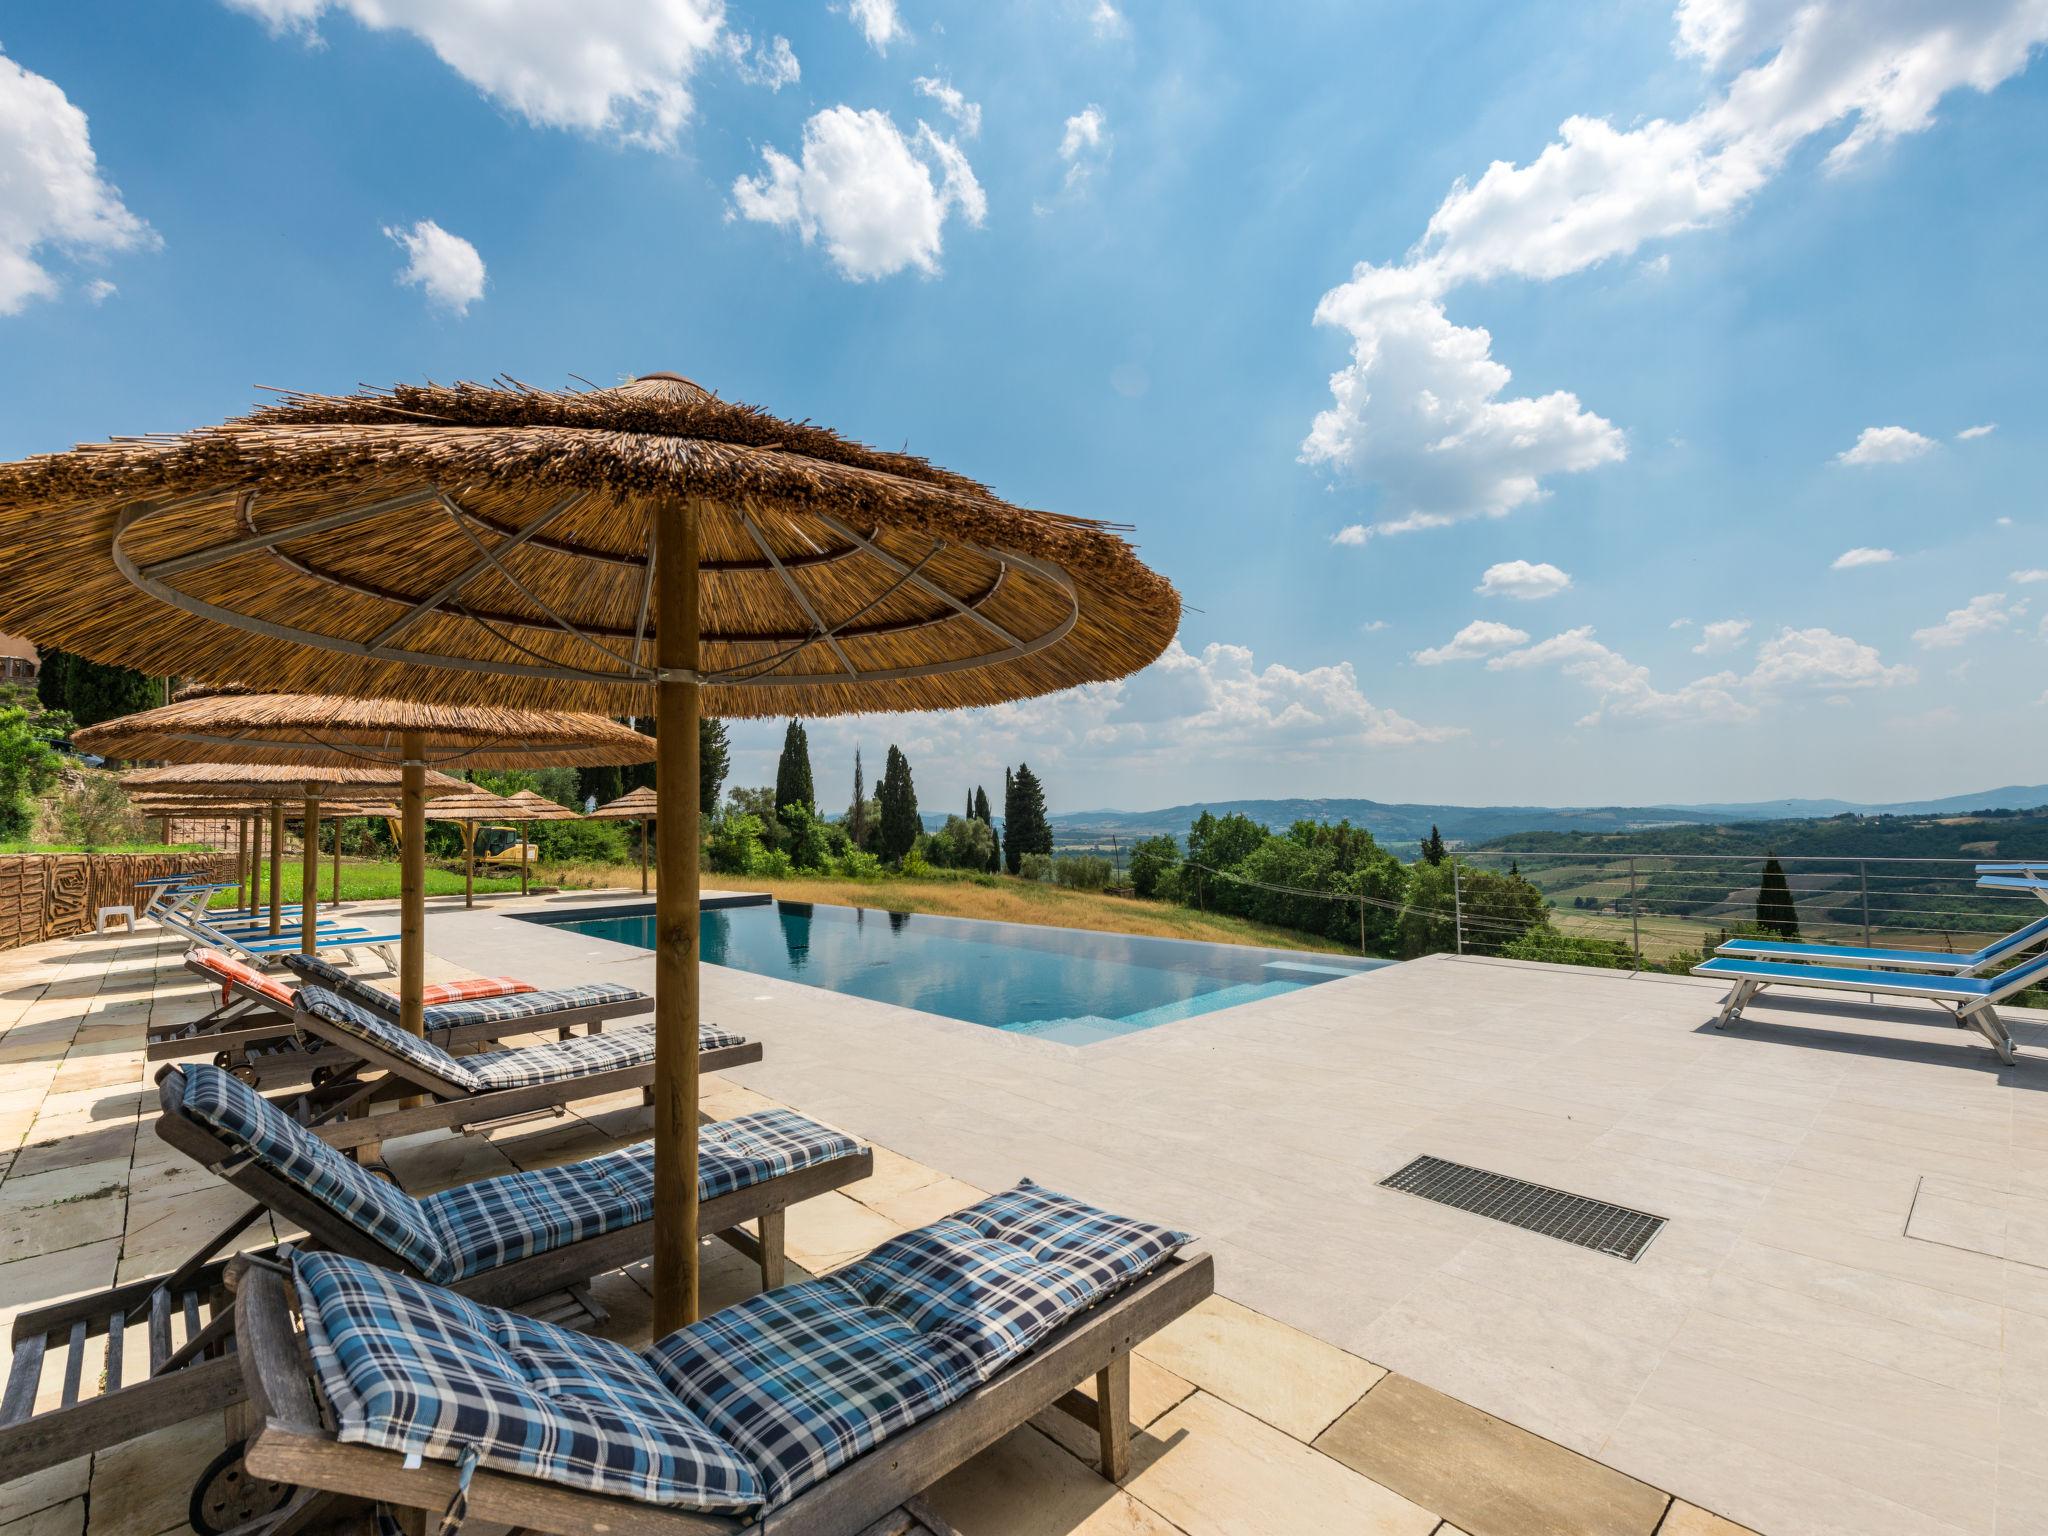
x=1973 y=999
x=2010 y=947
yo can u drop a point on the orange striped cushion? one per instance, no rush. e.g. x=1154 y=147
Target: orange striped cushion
x=229 y=969
x=476 y=986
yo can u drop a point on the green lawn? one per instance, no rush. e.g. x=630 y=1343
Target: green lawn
x=376 y=880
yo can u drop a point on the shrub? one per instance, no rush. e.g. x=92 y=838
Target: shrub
x=961 y=844
x=1082 y=872
x=734 y=844
x=583 y=842
x=1547 y=944
x=1035 y=866
x=807 y=842
x=771 y=862
x=916 y=867
x=857 y=864
x=1152 y=859
x=94 y=812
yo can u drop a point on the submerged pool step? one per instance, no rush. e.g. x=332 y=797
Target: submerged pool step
x=1089 y=1028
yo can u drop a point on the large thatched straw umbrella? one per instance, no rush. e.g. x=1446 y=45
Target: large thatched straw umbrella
x=649 y=549
x=336 y=738
x=275 y=785
x=634 y=805
x=530 y=806
x=469 y=811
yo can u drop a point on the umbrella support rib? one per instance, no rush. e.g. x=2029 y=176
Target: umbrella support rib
x=676 y=892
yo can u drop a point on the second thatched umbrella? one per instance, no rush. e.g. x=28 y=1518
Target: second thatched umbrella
x=645 y=550
x=335 y=738
x=531 y=806
x=639 y=805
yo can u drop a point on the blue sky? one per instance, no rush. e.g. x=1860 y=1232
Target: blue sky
x=1379 y=323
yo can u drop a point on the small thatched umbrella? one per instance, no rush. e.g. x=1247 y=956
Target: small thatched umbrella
x=470 y=810
x=228 y=723
x=275 y=784
x=242 y=813
x=649 y=549
x=533 y=806
x=634 y=805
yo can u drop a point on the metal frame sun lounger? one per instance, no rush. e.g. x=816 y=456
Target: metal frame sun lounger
x=1972 y=999
x=507 y=1241
x=814 y=1410
x=493 y=1087
x=262 y=950
x=254 y=1032
x=160 y=888
x=2015 y=943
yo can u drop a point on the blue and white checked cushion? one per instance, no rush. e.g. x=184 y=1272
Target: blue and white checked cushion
x=385 y=1033
x=805 y=1378
x=562 y=1061
x=321 y=973
x=412 y=1368
x=233 y=1110
x=524 y=1005
x=496 y=1221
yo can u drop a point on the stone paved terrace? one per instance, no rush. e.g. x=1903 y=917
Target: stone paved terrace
x=1843 y=1328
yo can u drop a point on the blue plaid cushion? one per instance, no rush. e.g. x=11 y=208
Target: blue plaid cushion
x=321 y=973
x=377 y=1030
x=498 y=1220
x=524 y=1005
x=411 y=1368
x=805 y=1378
x=557 y=1061
x=230 y=1108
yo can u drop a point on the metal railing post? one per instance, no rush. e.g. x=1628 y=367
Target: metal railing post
x=1863 y=880
x=1635 y=916
x=1457 y=909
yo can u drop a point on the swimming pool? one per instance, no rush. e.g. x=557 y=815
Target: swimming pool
x=1057 y=983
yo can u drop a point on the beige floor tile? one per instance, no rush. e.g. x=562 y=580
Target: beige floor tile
x=823 y=1233
x=1214 y=1471
x=36 y=1282
x=894 y=1175
x=919 y=1207
x=146 y=1484
x=1024 y=1485
x=1292 y=1380
x=1154 y=1392
x=1484 y=1473
x=67 y=1519
x=1690 y=1520
x=41 y=1490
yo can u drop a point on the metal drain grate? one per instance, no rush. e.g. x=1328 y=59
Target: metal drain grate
x=1576 y=1219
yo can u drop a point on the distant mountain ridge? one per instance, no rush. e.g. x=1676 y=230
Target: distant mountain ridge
x=1398 y=823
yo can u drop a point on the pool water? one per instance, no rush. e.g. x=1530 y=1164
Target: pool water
x=1057 y=983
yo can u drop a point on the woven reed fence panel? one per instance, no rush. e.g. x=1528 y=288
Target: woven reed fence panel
x=54 y=895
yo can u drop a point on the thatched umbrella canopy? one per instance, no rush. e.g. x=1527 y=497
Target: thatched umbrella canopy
x=634 y=805
x=534 y=806
x=649 y=549
x=318 y=731
x=472 y=809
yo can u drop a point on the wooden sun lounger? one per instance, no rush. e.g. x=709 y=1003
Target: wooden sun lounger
x=291 y=1442
x=191 y=1366
x=345 y=1107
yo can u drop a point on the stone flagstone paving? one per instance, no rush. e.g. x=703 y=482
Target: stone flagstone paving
x=1244 y=1424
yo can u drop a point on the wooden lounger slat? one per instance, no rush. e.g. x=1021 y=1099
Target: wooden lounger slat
x=189 y=1305
x=23 y=1377
x=74 y=1361
x=159 y=1328
x=117 y=1339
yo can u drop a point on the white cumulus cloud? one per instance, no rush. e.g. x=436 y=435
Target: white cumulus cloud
x=1623 y=688
x=1986 y=430
x=1885 y=445
x=52 y=196
x=878 y=22
x=868 y=192
x=1084 y=144
x=2027 y=578
x=1778 y=74
x=773 y=63
x=1863 y=554
x=1820 y=658
x=965 y=114
x=1720 y=635
x=445 y=267
x=620 y=68
x=1479 y=638
x=1351 y=535
x=1519 y=578
x=1979 y=616
x=1107 y=21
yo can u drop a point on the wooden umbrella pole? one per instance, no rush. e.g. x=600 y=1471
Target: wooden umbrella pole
x=255 y=865
x=241 y=861
x=276 y=866
x=412 y=882
x=643 y=855
x=469 y=863
x=309 y=874
x=335 y=894
x=675 y=954
x=525 y=830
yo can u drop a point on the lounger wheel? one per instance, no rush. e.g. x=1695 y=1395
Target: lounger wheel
x=381 y=1169
x=226 y=1497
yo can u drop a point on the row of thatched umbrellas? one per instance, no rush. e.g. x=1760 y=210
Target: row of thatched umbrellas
x=644 y=550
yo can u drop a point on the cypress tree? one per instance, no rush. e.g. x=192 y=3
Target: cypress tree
x=714 y=757
x=980 y=811
x=1031 y=832
x=970 y=805
x=1013 y=854
x=793 y=772
x=1433 y=847
x=94 y=692
x=857 y=813
x=898 y=796
x=50 y=681
x=1775 y=913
